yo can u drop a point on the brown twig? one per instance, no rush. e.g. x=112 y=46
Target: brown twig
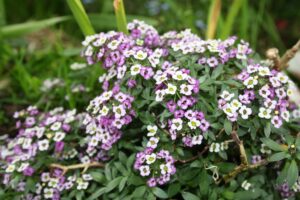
x=244 y=161
x=282 y=63
x=289 y=54
x=84 y=166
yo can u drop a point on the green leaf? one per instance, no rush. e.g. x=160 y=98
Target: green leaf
x=292 y=174
x=277 y=156
x=97 y=176
x=267 y=129
x=120 y=16
x=17 y=30
x=139 y=191
x=97 y=194
x=213 y=17
x=228 y=126
x=189 y=196
x=173 y=189
x=159 y=193
x=122 y=183
x=272 y=144
x=113 y=184
x=81 y=17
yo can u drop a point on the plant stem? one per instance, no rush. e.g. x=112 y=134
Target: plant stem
x=213 y=17
x=81 y=17
x=85 y=166
x=120 y=16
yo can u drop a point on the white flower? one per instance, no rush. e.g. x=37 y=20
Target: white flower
x=23 y=166
x=153 y=142
x=246 y=185
x=282 y=78
x=135 y=69
x=48 y=193
x=152 y=129
x=144 y=170
x=264 y=149
x=27 y=143
x=179 y=75
x=271 y=104
x=229 y=110
x=197 y=139
x=264 y=113
x=285 y=115
x=10 y=168
x=113 y=45
x=280 y=93
x=56 y=126
x=43 y=145
x=193 y=123
x=82 y=185
x=140 y=55
x=159 y=78
x=165 y=168
x=160 y=95
x=87 y=177
x=150 y=158
x=106 y=95
x=121 y=71
x=78 y=66
x=214 y=147
x=39 y=131
x=250 y=82
x=186 y=89
x=264 y=71
x=119 y=111
x=245 y=112
x=59 y=136
x=171 y=89
x=235 y=104
x=265 y=91
x=176 y=124
x=104 y=111
x=88 y=51
x=53 y=182
x=226 y=95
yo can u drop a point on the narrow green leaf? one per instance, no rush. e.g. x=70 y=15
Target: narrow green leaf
x=213 y=17
x=17 y=30
x=277 y=156
x=189 y=196
x=122 y=183
x=292 y=174
x=81 y=17
x=139 y=191
x=272 y=144
x=96 y=194
x=173 y=189
x=2 y=13
x=267 y=129
x=159 y=193
x=231 y=17
x=113 y=184
x=120 y=16
x=228 y=126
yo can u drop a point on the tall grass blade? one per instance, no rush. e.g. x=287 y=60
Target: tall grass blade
x=81 y=17
x=120 y=16
x=231 y=17
x=244 y=23
x=108 y=21
x=212 y=21
x=16 y=30
x=2 y=13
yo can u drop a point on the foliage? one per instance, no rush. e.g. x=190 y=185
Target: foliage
x=178 y=117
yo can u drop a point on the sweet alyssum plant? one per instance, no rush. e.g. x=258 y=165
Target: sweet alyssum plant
x=178 y=117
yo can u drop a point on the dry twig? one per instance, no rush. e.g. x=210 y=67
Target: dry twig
x=84 y=166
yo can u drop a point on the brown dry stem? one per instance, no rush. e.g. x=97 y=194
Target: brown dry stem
x=282 y=63
x=84 y=166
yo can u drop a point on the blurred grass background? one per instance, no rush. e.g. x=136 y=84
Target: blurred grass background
x=40 y=39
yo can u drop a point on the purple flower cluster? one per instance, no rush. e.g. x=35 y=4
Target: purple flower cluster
x=261 y=86
x=156 y=166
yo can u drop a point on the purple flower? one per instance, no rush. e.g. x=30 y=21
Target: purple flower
x=28 y=171
x=131 y=83
x=59 y=146
x=151 y=182
x=171 y=105
x=147 y=72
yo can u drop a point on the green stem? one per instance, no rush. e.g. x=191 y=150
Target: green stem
x=81 y=17
x=213 y=18
x=120 y=16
